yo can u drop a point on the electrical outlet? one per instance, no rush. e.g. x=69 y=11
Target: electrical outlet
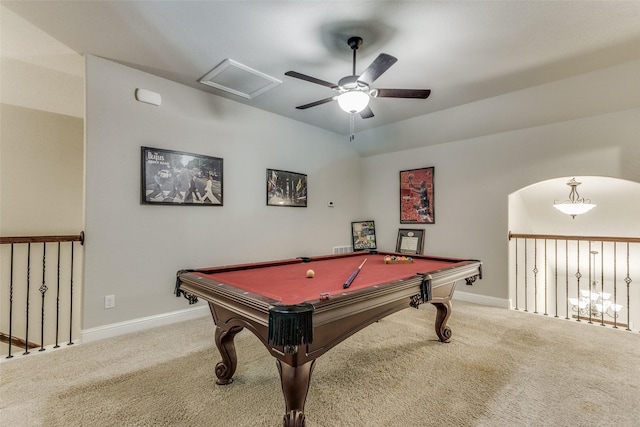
x=109 y=301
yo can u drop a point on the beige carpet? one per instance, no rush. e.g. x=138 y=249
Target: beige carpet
x=502 y=368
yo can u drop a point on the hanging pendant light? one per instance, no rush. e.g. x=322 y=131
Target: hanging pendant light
x=575 y=205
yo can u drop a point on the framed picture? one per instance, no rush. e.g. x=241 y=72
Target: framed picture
x=177 y=178
x=410 y=241
x=363 y=234
x=417 y=196
x=286 y=188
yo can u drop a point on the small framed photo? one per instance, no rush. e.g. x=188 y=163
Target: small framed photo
x=286 y=188
x=410 y=241
x=363 y=234
x=417 y=196
x=178 y=178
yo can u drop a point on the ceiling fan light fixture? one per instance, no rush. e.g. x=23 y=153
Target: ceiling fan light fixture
x=353 y=101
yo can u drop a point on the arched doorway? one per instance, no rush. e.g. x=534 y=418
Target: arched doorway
x=585 y=268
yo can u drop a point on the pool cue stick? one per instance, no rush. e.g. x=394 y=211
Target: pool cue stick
x=353 y=275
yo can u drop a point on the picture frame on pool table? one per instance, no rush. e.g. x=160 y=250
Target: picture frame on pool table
x=410 y=241
x=363 y=235
x=417 y=200
x=181 y=179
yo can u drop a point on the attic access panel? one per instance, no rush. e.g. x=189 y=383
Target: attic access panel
x=239 y=79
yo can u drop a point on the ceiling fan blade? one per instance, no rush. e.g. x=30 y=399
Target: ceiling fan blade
x=366 y=113
x=315 y=104
x=403 y=93
x=381 y=64
x=304 y=77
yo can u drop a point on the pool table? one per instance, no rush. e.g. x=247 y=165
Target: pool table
x=299 y=318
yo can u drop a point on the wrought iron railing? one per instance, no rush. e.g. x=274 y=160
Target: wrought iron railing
x=33 y=276
x=585 y=278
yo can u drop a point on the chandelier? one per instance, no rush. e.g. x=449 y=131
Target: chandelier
x=593 y=303
x=575 y=205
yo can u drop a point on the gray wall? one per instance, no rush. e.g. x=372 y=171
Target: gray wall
x=473 y=180
x=475 y=176
x=133 y=251
x=41 y=172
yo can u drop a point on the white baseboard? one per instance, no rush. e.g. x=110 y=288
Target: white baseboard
x=481 y=299
x=135 y=325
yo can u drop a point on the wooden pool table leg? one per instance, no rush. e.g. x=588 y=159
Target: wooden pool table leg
x=224 y=341
x=295 y=386
x=444 y=311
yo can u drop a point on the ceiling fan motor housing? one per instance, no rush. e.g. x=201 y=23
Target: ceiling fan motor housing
x=352 y=82
x=354 y=42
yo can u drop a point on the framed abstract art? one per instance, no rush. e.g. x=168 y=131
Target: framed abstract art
x=363 y=235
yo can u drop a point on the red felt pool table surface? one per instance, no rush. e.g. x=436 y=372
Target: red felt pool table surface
x=288 y=284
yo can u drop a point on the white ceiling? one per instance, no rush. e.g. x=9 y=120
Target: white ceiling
x=464 y=51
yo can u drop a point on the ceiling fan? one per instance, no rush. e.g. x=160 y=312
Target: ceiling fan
x=355 y=91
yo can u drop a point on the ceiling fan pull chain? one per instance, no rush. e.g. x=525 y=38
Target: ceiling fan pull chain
x=352 y=126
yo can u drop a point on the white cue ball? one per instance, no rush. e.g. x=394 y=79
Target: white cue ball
x=310 y=273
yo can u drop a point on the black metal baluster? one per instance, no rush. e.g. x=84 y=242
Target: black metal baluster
x=545 y=278
x=517 y=262
x=46 y=318
x=628 y=282
x=591 y=282
x=615 y=282
x=71 y=300
x=602 y=281
x=578 y=276
x=58 y=299
x=11 y=304
x=26 y=332
x=535 y=276
x=566 y=278
x=526 y=275
x=43 y=291
x=589 y=299
x=555 y=254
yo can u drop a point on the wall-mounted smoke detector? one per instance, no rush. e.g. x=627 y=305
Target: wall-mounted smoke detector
x=238 y=79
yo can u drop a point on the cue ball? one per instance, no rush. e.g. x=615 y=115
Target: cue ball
x=310 y=273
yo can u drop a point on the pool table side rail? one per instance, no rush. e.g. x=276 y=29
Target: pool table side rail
x=195 y=286
x=334 y=319
x=236 y=267
x=199 y=286
x=275 y=263
x=464 y=270
x=381 y=253
x=256 y=307
x=402 y=288
x=340 y=316
x=252 y=305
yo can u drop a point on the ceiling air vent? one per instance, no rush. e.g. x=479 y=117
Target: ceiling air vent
x=234 y=77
